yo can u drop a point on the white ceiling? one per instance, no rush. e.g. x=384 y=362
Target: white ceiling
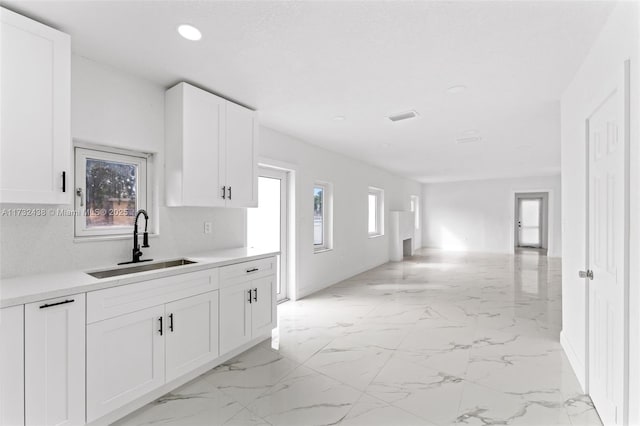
x=300 y=63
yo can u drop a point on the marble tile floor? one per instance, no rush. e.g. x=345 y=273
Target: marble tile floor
x=439 y=339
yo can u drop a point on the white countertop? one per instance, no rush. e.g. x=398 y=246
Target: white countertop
x=33 y=288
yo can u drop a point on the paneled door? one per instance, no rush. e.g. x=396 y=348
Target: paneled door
x=262 y=308
x=606 y=235
x=192 y=333
x=125 y=359
x=54 y=363
x=12 y=366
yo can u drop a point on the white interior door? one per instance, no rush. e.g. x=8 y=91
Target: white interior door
x=606 y=182
x=267 y=224
x=530 y=222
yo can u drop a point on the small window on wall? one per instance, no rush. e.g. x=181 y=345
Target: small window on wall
x=415 y=208
x=110 y=187
x=376 y=212
x=321 y=216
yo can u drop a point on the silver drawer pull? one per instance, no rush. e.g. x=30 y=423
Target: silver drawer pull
x=251 y=270
x=48 y=305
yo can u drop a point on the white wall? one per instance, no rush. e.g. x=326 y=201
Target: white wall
x=617 y=42
x=353 y=251
x=479 y=215
x=113 y=108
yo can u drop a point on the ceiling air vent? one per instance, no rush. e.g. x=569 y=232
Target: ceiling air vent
x=469 y=139
x=403 y=116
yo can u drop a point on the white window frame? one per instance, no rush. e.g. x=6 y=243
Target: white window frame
x=415 y=208
x=143 y=201
x=327 y=216
x=379 y=227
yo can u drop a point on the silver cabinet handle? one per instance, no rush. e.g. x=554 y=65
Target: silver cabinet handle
x=586 y=274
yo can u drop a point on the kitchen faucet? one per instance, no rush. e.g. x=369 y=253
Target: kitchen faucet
x=137 y=253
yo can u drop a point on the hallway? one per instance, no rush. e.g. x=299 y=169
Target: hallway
x=439 y=339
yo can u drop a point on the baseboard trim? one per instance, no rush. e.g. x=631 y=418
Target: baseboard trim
x=577 y=365
x=304 y=292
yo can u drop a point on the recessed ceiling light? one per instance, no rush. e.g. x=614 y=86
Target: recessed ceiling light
x=386 y=145
x=457 y=89
x=189 y=32
x=339 y=118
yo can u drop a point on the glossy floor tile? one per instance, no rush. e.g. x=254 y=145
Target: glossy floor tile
x=439 y=339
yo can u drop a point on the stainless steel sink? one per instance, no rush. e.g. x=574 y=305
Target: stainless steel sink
x=140 y=268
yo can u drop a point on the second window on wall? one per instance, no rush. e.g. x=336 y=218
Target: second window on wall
x=376 y=212
x=322 y=216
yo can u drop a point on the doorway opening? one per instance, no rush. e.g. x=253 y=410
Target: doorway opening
x=532 y=222
x=268 y=224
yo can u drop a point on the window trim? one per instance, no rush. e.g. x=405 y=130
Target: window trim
x=144 y=196
x=379 y=194
x=327 y=215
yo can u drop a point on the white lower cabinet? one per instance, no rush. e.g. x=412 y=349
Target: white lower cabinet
x=191 y=333
x=125 y=359
x=12 y=366
x=263 y=305
x=130 y=355
x=247 y=310
x=76 y=359
x=235 y=316
x=54 y=366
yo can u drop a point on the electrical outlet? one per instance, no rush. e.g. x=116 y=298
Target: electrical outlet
x=208 y=227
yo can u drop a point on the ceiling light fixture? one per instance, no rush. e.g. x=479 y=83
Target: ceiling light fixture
x=403 y=116
x=456 y=89
x=189 y=32
x=339 y=118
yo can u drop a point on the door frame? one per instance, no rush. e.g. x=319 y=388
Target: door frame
x=626 y=143
x=282 y=175
x=551 y=225
x=290 y=271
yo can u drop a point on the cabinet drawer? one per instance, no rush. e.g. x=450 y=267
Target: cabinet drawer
x=247 y=270
x=111 y=302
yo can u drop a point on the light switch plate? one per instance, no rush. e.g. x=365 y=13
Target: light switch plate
x=208 y=227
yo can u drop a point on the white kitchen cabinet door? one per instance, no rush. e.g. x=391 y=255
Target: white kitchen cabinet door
x=125 y=359
x=12 y=366
x=263 y=306
x=35 y=136
x=191 y=333
x=194 y=147
x=55 y=361
x=240 y=150
x=235 y=316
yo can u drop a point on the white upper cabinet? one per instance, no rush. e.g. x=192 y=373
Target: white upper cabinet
x=242 y=168
x=35 y=135
x=210 y=150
